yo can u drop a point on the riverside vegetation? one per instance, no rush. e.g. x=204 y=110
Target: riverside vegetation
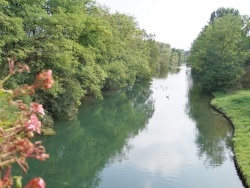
x=220 y=59
x=236 y=106
x=89 y=50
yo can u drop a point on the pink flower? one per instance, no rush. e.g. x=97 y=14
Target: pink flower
x=11 y=65
x=33 y=124
x=36 y=183
x=27 y=149
x=24 y=90
x=37 y=108
x=19 y=104
x=44 y=80
x=42 y=157
x=19 y=66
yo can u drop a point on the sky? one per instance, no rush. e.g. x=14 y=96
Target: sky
x=177 y=22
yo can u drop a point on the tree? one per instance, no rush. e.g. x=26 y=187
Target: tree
x=177 y=56
x=217 y=55
x=165 y=55
x=88 y=48
x=174 y=59
x=222 y=12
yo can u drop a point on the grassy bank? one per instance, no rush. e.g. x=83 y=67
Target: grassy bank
x=236 y=106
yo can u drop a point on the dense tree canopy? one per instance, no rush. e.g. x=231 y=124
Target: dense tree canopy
x=88 y=48
x=218 y=54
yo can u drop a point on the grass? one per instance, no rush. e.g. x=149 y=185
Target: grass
x=236 y=106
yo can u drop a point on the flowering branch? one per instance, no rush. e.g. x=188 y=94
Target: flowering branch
x=15 y=134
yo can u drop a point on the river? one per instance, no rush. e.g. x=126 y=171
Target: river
x=156 y=135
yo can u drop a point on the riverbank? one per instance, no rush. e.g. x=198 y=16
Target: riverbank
x=236 y=107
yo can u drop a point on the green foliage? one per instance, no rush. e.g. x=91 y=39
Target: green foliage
x=218 y=54
x=66 y=103
x=177 y=57
x=92 y=79
x=8 y=112
x=165 y=55
x=174 y=59
x=154 y=53
x=117 y=76
x=236 y=106
x=88 y=48
x=169 y=57
x=222 y=12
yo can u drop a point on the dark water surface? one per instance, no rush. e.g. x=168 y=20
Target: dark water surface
x=158 y=135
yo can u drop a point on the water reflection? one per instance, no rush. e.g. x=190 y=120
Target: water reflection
x=80 y=150
x=213 y=132
x=165 y=71
x=142 y=138
x=165 y=154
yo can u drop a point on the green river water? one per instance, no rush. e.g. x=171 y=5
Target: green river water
x=157 y=135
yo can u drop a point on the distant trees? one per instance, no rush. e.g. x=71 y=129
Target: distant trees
x=165 y=55
x=170 y=56
x=219 y=53
x=177 y=56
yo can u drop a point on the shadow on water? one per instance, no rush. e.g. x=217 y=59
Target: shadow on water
x=80 y=150
x=213 y=131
